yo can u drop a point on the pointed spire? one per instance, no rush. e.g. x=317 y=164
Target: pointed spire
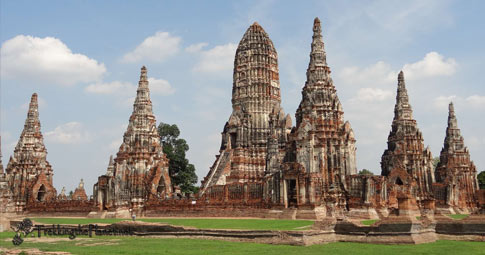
x=31 y=142
x=111 y=166
x=317 y=27
x=32 y=123
x=141 y=134
x=1 y=164
x=402 y=109
x=452 y=122
x=317 y=55
x=143 y=74
x=318 y=71
x=143 y=104
x=453 y=133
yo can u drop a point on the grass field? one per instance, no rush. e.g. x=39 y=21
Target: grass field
x=146 y=245
x=369 y=222
x=258 y=224
x=458 y=216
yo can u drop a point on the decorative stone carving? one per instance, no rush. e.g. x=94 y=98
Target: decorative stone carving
x=140 y=170
x=256 y=116
x=405 y=147
x=322 y=142
x=455 y=170
x=80 y=193
x=28 y=172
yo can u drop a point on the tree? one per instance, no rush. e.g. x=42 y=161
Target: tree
x=70 y=194
x=481 y=179
x=181 y=171
x=365 y=172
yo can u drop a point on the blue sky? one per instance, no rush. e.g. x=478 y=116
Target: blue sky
x=83 y=59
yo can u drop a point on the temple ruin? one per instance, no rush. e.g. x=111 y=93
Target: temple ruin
x=456 y=176
x=266 y=167
x=256 y=112
x=28 y=173
x=320 y=150
x=139 y=171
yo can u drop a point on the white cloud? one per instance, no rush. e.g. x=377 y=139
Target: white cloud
x=160 y=87
x=442 y=102
x=473 y=101
x=47 y=60
x=476 y=101
x=372 y=95
x=68 y=133
x=378 y=73
x=196 y=47
x=155 y=48
x=109 y=87
x=433 y=64
x=219 y=58
x=157 y=86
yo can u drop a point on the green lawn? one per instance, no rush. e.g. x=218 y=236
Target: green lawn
x=369 y=222
x=458 y=216
x=146 y=245
x=259 y=224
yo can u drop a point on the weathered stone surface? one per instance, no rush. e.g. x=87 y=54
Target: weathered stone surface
x=28 y=172
x=406 y=163
x=321 y=148
x=266 y=168
x=456 y=175
x=63 y=195
x=80 y=193
x=140 y=170
x=256 y=114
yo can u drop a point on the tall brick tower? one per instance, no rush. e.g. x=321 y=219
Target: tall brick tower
x=321 y=148
x=405 y=148
x=455 y=168
x=140 y=170
x=320 y=124
x=256 y=112
x=29 y=174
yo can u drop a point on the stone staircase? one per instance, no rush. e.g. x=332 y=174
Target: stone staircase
x=217 y=170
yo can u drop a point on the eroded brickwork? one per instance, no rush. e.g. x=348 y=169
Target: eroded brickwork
x=321 y=148
x=265 y=165
x=406 y=154
x=139 y=171
x=80 y=193
x=28 y=173
x=256 y=114
x=456 y=175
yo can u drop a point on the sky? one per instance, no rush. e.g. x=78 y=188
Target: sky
x=83 y=58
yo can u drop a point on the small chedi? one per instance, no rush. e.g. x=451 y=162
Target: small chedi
x=456 y=175
x=28 y=173
x=79 y=192
x=63 y=195
x=139 y=171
